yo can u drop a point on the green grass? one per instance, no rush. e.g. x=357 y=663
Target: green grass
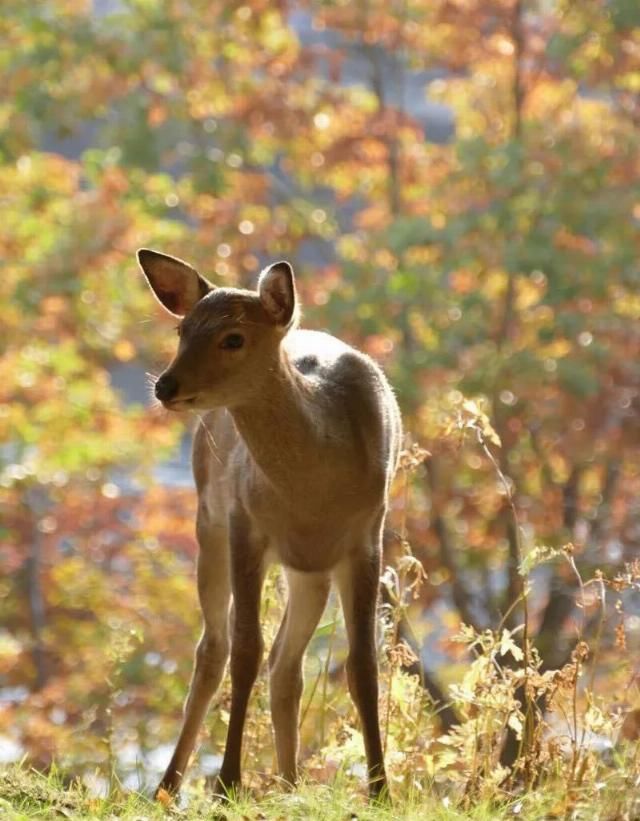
x=25 y=794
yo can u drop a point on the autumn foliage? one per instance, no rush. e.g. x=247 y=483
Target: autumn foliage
x=457 y=184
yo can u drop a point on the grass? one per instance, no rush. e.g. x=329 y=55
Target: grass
x=556 y=715
x=26 y=794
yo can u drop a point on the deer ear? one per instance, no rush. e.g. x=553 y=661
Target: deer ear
x=176 y=285
x=277 y=291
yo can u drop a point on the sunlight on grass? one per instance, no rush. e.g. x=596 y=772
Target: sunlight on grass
x=25 y=794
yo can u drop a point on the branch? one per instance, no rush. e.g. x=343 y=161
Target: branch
x=561 y=603
x=514 y=588
x=445 y=711
x=570 y=499
x=462 y=596
x=559 y=609
x=517 y=36
x=562 y=657
x=612 y=473
x=35 y=597
x=517 y=91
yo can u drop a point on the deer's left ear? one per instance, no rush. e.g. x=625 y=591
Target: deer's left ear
x=176 y=285
x=277 y=291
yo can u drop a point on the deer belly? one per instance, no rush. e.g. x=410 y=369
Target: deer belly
x=312 y=543
x=309 y=547
x=312 y=554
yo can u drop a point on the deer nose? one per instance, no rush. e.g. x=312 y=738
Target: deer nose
x=166 y=387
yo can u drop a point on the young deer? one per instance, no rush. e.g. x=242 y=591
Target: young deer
x=292 y=460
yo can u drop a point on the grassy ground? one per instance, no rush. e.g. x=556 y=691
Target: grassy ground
x=25 y=794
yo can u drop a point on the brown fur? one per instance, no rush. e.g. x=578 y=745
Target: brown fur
x=292 y=460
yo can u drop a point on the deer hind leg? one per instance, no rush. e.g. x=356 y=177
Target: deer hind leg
x=247 y=574
x=308 y=593
x=214 y=590
x=358 y=580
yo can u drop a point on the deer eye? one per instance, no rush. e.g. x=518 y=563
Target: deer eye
x=232 y=342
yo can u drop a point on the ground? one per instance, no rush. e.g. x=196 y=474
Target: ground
x=25 y=794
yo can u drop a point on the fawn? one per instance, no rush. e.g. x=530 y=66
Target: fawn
x=292 y=460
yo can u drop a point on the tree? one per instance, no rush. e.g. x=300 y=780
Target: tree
x=495 y=276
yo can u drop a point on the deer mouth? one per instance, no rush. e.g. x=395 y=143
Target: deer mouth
x=180 y=403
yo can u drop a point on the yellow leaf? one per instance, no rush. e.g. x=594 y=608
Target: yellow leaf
x=516 y=725
x=124 y=350
x=507 y=645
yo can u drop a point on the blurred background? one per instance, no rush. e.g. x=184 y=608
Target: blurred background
x=457 y=184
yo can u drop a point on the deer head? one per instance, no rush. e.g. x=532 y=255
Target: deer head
x=228 y=337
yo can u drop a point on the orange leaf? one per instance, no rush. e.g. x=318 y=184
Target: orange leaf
x=164 y=797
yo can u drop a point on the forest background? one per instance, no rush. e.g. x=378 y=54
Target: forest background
x=457 y=184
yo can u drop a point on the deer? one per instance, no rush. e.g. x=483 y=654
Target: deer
x=293 y=456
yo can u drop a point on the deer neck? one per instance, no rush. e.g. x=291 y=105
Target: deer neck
x=277 y=428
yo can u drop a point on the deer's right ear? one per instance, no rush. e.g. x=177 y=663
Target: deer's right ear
x=277 y=292
x=176 y=285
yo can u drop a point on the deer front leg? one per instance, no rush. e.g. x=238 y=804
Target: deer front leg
x=308 y=594
x=358 y=580
x=247 y=574
x=213 y=648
